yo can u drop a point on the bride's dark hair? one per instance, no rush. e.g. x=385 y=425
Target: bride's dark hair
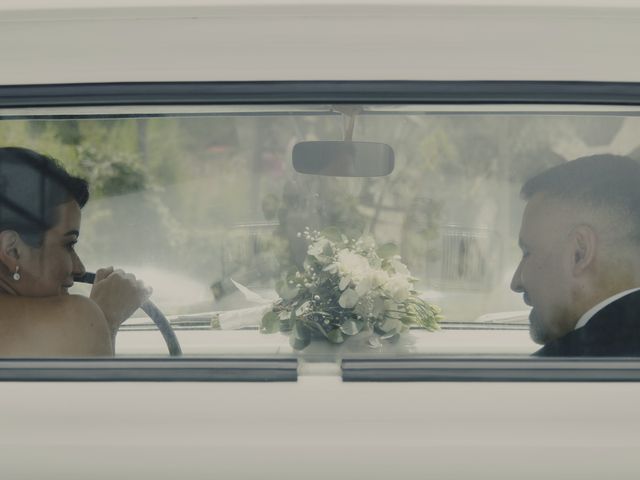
x=32 y=185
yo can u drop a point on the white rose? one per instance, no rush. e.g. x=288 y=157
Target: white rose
x=399 y=288
x=372 y=280
x=351 y=266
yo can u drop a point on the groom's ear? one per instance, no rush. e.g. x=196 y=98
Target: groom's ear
x=583 y=241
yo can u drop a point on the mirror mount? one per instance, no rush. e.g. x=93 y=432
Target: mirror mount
x=349 y=112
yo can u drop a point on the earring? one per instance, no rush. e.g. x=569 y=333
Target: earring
x=16 y=275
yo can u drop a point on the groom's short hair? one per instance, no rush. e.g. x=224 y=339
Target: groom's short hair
x=604 y=183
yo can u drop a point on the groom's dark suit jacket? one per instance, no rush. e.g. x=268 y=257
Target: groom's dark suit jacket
x=614 y=330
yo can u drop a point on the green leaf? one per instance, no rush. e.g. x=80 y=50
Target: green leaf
x=407 y=320
x=297 y=343
x=270 y=323
x=335 y=336
x=300 y=336
x=344 y=283
x=321 y=328
x=387 y=250
x=285 y=290
x=390 y=325
x=426 y=315
x=429 y=323
x=300 y=331
x=351 y=326
x=348 y=299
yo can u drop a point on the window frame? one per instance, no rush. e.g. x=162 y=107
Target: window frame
x=374 y=92
x=457 y=369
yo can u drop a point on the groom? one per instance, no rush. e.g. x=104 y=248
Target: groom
x=580 y=267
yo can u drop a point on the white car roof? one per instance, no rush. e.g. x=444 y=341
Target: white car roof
x=45 y=42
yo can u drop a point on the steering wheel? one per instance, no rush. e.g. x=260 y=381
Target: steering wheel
x=155 y=314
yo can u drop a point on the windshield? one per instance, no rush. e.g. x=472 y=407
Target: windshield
x=204 y=204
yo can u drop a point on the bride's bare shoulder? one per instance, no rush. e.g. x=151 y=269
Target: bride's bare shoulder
x=68 y=325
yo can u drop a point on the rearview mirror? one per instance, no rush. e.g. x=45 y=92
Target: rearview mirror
x=343 y=159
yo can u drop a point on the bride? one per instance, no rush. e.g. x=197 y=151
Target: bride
x=40 y=213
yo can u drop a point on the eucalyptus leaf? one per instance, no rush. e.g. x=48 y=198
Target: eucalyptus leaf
x=348 y=299
x=351 y=326
x=335 y=336
x=300 y=336
x=344 y=283
x=297 y=343
x=285 y=290
x=270 y=323
x=320 y=327
x=300 y=332
x=390 y=325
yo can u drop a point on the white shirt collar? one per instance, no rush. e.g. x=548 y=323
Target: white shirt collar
x=592 y=311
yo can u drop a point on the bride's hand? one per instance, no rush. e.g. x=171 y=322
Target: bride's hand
x=118 y=294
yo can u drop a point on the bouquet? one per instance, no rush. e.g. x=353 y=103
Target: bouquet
x=347 y=286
